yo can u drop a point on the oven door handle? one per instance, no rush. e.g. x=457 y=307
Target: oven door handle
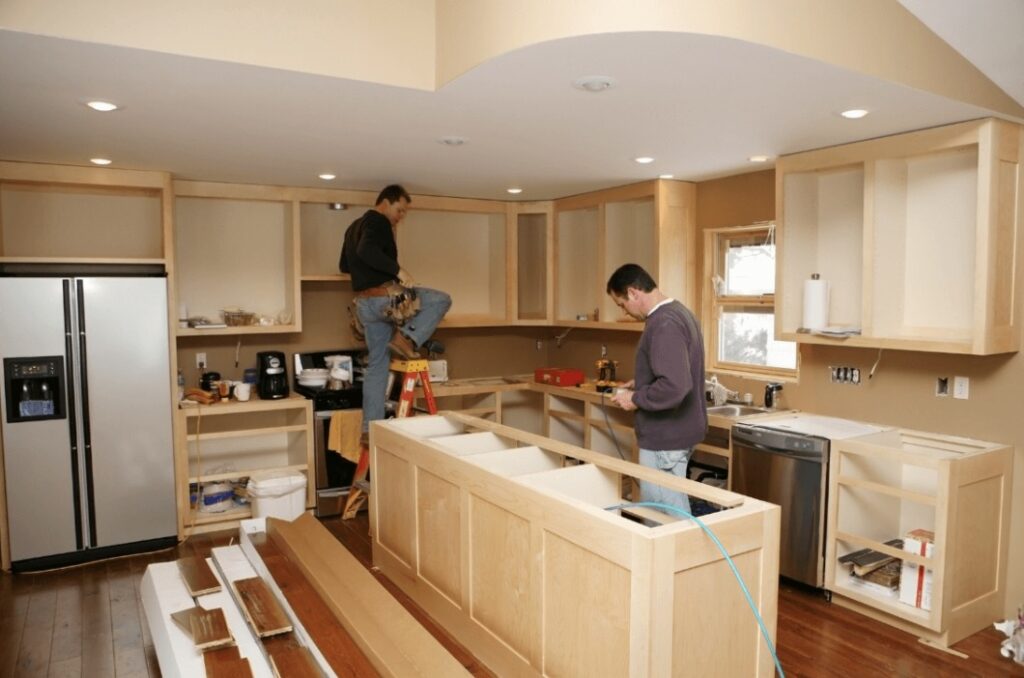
x=814 y=457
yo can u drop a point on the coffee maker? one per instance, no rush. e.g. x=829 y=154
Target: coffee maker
x=273 y=377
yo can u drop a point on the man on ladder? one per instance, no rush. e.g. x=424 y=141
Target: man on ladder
x=388 y=311
x=410 y=372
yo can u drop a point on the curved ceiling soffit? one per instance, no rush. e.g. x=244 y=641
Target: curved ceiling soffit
x=881 y=40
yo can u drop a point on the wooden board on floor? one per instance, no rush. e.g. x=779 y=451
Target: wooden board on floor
x=260 y=607
x=311 y=613
x=294 y=661
x=226 y=662
x=395 y=643
x=198 y=577
x=208 y=628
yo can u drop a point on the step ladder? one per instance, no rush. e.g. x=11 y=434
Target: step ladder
x=409 y=371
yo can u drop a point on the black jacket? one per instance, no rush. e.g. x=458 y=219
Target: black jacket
x=369 y=253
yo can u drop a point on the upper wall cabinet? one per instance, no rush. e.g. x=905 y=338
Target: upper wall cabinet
x=460 y=247
x=916 y=235
x=532 y=271
x=237 y=248
x=651 y=224
x=56 y=213
x=323 y=226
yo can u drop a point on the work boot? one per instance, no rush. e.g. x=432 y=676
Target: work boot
x=402 y=346
x=433 y=347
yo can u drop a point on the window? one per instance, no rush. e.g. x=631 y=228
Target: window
x=739 y=308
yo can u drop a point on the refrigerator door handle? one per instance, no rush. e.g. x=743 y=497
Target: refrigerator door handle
x=69 y=381
x=83 y=371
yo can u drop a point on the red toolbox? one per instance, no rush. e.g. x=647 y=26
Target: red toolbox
x=558 y=376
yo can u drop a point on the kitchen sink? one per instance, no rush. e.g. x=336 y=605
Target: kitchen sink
x=736 y=410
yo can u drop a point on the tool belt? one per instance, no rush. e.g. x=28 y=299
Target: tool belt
x=404 y=305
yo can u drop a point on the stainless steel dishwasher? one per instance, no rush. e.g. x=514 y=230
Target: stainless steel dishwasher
x=785 y=461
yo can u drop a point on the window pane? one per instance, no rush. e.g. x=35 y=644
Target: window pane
x=750 y=266
x=746 y=336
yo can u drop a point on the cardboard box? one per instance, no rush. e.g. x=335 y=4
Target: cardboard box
x=916 y=580
x=558 y=376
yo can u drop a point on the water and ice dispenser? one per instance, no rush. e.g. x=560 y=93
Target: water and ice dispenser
x=34 y=388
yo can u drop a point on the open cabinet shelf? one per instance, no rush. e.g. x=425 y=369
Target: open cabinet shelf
x=915 y=233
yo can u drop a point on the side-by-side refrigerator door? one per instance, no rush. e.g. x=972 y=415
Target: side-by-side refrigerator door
x=129 y=403
x=40 y=455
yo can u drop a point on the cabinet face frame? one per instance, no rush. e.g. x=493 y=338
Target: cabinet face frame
x=526 y=287
x=994 y=327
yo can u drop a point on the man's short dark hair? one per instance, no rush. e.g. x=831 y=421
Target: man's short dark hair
x=630 y=275
x=393 y=194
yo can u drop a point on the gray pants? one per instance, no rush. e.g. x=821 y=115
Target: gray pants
x=670 y=461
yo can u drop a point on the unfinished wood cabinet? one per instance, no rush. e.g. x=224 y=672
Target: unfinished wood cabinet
x=517 y=544
x=237 y=249
x=53 y=213
x=883 y=485
x=916 y=234
x=322 y=228
x=651 y=224
x=533 y=271
x=231 y=440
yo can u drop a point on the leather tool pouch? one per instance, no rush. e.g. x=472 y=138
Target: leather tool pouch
x=404 y=303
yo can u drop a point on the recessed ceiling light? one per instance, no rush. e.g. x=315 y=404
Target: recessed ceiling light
x=593 y=83
x=665 y=176
x=514 y=191
x=452 y=141
x=644 y=160
x=100 y=161
x=326 y=176
x=854 y=113
x=758 y=158
x=102 y=106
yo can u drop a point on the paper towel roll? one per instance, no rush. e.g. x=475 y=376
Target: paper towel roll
x=815 y=304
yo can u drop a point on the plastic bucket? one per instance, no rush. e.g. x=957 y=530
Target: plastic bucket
x=277 y=494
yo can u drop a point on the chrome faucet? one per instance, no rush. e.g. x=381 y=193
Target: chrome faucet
x=771 y=391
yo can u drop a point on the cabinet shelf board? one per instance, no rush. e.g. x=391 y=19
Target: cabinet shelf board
x=81 y=260
x=241 y=329
x=216 y=477
x=889 y=490
x=247 y=433
x=601 y=325
x=474 y=321
x=889 y=605
x=328 y=277
x=199 y=518
x=234 y=407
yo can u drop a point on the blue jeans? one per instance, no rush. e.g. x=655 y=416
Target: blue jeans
x=433 y=305
x=670 y=461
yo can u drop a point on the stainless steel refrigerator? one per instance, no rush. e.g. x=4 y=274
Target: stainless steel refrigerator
x=86 y=412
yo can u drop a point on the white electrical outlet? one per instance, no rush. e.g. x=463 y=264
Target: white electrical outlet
x=200 y=360
x=961 y=387
x=604 y=351
x=540 y=344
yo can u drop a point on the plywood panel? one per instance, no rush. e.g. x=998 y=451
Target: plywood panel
x=532 y=279
x=977 y=540
x=716 y=608
x=84 y=223
x=577 y=247
x=438 y=513
x=631 y=238
x=586 y=612
x=323 y=231
x=502 y=572
x=396 y=516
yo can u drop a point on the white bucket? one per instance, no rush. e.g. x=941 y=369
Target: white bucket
x=277 y=494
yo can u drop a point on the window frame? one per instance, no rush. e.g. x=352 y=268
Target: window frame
x=715 y=246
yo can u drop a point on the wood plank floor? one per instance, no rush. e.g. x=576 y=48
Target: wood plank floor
x=88 y=621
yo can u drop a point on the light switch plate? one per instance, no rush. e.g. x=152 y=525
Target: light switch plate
x=961 y=387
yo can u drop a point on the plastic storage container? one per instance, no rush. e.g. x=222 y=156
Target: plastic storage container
x=277 y=494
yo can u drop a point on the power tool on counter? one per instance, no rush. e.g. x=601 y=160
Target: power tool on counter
x=606 y=375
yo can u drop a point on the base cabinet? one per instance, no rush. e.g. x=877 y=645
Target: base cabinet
x=514 y=543
x=886 y=485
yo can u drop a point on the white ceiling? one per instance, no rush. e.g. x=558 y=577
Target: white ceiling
x=699 y=105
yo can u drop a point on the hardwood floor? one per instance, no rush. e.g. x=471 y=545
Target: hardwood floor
x=88 y=621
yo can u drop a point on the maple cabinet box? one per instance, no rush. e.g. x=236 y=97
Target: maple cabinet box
x=511 y=541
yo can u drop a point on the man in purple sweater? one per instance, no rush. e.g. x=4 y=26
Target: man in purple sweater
x=667 y=392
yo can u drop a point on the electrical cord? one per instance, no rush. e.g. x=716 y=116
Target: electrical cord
x=732 y=566
x=604 y=411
